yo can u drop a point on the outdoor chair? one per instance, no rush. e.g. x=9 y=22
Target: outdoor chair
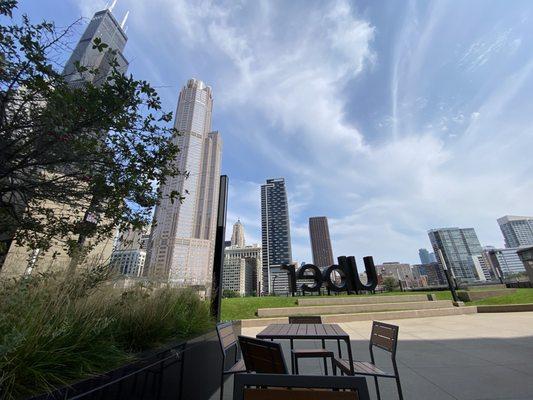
x=385 y=337
x=309 y=353
x=262 y=356
x=299 y=387
x=228 y=342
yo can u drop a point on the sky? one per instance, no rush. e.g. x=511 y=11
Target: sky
x=390 y=118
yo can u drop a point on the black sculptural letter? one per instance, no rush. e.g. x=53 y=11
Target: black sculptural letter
x=355 y=284
x=347 y=269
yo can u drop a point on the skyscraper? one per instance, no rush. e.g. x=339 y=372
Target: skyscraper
x=424 y=256
x=320 y=241
x=517 y=231
x=104 y=26
x=237 y=236
x=19 y=259
x=181 y=245
x=242 y=265
x=276 y=235
x=458 y=246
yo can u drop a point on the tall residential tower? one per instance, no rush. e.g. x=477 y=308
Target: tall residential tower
x=460 y=248
x=320 y=241
x=276 y=236
x=181 y=244
x=517 y=231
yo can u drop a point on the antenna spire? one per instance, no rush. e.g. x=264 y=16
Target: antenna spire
x=124 y=19
x=110 y=8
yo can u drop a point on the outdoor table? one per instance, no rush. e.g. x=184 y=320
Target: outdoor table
x=308 y=331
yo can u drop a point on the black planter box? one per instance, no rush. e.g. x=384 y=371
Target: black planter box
x=183 y=370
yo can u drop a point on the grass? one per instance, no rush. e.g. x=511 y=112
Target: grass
x=246 y=307
x=55 y=330
x=521 y=296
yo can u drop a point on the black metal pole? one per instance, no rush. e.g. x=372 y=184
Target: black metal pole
x=218 y=261
x=448 y=277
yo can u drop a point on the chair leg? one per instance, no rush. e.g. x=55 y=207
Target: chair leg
x=222 y=386
x=377 y=387
x=333 y=367
x=292 y=356
x=296 y=365
x=399 y=386
x=325 y=365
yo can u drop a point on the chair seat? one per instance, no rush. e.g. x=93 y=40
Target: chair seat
x=361 y=368
x=238 y=367
x=302 y=353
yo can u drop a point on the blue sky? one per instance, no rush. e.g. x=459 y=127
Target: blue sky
x=389 y=117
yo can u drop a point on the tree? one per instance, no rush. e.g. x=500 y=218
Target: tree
x=390 y=283
x=76 y=162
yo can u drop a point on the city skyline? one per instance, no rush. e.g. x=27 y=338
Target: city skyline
x=382 y=94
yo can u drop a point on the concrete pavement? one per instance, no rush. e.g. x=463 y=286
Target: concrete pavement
x=467 y=357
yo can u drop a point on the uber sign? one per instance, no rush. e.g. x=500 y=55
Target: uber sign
x=347 y=269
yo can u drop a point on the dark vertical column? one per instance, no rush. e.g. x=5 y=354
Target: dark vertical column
x=218 y=262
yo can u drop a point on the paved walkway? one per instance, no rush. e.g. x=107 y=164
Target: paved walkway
x=477 y=356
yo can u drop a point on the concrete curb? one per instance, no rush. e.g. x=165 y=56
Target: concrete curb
x=505 y=308
x=337 y=300
x=351 y=308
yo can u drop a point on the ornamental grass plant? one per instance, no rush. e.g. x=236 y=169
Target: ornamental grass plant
x=57 y=329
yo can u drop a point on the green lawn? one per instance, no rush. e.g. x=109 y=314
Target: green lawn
x=521 y=296
x=246 y=307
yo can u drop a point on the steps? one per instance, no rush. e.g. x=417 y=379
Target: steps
x=369 y=316
x=352 y=308
x=336 y=309
x=338 y=300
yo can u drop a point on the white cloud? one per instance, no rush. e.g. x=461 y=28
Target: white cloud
x=280 y=73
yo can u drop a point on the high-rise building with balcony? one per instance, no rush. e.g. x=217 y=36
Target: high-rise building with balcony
x=276 y=236
x=320 y=241
x=181 y=245
x=458 y=246
x=517 y=231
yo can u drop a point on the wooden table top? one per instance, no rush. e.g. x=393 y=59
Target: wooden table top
x=303 y=331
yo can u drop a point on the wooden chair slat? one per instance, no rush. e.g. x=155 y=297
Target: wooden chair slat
x=383 y=330
x=262 y=356
x=296 y=394
x=383 y=342
x=228 y=341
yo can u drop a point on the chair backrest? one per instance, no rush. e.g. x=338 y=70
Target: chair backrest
x=299 y=387
x=262 y=356
x=226 y=336
x=305 y=319
x=384 y=336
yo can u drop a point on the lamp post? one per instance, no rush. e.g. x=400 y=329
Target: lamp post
x=447 y=274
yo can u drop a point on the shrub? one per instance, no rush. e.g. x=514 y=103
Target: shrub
x=229 y=294
x=390 y=284
x=55 y=330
